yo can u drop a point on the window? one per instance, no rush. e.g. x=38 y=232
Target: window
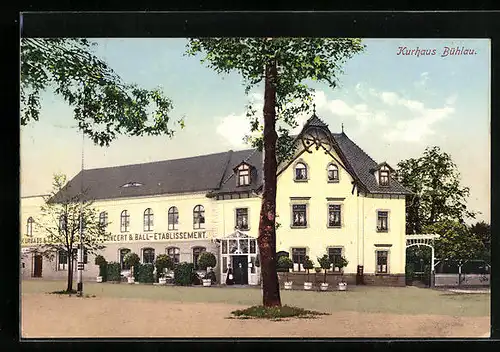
x=148 y=220
x=298 y=258
x=334 y=215
x=29 y=226
x=62 y=261
x=199 y=217
x=148 y=256
x=300 y=172
x=123 y=252
x=124 y=221
x=299 y=215
x=382 y=262
x=63 y=223
x=103 y=219
x=333 y=173
x=132 y=184
x=253 y=246
x=174 y=253
x=335 y=254
x=382 y=221
x=242 y=218
x=75 y=255
x=384 y=177
x=243 y=175
x=196 y=254
x=173 y=218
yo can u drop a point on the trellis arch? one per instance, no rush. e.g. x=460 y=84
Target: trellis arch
x=426 y=240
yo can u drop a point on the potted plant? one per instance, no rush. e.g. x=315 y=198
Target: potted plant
x=341 y=264
x=286 y=264
x=206 y=260
x=325 y=264
x=308 y=265
x=131 y=260
x=103 y=265
x=163 y=262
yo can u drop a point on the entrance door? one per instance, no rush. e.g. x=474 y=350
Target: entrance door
x=37 y=265
x=240 y=269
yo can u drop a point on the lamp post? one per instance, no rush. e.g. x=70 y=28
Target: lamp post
x=80 y=252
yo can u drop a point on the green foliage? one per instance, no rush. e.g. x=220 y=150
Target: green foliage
x=99 y=260
x=206 y=260
x=284 y=263
x=438 y=196
x=325 y=262
x=409 y=273
x=211 y=275
x=482 y=231
x=341 y=263
x=308 y=264
x=184 y=274
x=114 y=271
x=137 y=271
x=162 y=262
x=131 y=259
x=103 y=266
x=146 y=273
x=285 y=311
x=104 y=106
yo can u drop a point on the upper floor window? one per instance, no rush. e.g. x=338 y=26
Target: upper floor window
x=29 y=226
x=299 y=215
x=334 y=215
x=333 y=173
x=242 y=218
x=173 y=218
x=243 y=175
x=148 y=256
x=124 y=221
x=300 y=172
x=384 y=177
x=174 y=253
x=148 y=219
x=199 y=217
x=382 y=221
x=382 y=265
x=103 y=219
x=63 y=222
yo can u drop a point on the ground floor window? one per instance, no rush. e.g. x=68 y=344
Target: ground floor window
x=123 y=252
x=382 y=262
x=196 y=254
x=62 y=260
x=298 y=258
x=148 y=256
x=335 y=254
x=175 y=254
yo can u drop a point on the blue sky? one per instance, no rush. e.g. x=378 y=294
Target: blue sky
x=392 y=106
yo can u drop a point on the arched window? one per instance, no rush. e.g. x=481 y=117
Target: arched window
x=174 y=253
x=148 y=220
x=103 y=219
x=124 y=221
x=63 y=222
x=29 y=226
x=300 y=171
x=148 y=256
x=333 y=173
x=199 y=217
x=196 y=254
x=173 y=218
x=123 y=252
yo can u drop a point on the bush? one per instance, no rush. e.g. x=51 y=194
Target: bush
x=99 y=260
x=206 y=260
x=146 y=273
x=163 y=262
x=131 y=259
x=103 y=266
x=325 y=264
x=137 y=270
x=114 y=271
x=284 y=264
x=184 y=274
x=308 y=265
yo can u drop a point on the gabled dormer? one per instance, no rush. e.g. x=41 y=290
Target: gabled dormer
x=383 y=174
x=243 y=173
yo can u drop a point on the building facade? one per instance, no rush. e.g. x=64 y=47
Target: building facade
x=332 y=199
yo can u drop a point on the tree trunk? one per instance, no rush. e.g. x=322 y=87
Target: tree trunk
x=69 y=287
x=267 y=225
x=325 y=277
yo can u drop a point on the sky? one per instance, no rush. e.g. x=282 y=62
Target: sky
x=392 y=105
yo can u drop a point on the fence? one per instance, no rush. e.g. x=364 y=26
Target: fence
x=470 y=273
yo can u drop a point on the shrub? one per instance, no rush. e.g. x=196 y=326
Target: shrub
x=341 y=264
x=163 y=262
x=114 y=271
x=146 y=273
x=206 y=260
x=284 y=263
x=99 y=260
x=184 y=274
x=325 y=264
x=308 y=265
x=131 y=259
x=103 y=266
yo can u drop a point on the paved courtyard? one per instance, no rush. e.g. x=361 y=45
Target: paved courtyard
x=121 y=310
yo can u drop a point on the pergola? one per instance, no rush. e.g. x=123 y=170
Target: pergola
x=425 y=239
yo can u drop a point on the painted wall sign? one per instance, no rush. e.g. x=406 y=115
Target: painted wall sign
x=158 y=236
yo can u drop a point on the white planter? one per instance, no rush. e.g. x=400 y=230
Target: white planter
x=99 y=279
x=162 y=280
x=288 y=285
x=342 y=286
x=207 y=282
x=324 y=286
x=130 y=279
x=308 y=285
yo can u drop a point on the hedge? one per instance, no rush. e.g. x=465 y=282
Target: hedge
x=184 y=274
x=114 y=272
x=146 y=274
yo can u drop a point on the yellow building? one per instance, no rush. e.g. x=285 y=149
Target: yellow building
x=332 y=198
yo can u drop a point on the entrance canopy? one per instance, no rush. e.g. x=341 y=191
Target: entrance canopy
x=426 y=239
x=238 y=242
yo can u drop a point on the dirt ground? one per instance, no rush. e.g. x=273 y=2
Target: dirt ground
x=44 y=315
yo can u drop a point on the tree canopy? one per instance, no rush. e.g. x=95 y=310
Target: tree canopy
x=104 y=106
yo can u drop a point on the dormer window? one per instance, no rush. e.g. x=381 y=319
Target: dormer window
x=132 y=184
x=333 y=173
x=384 y=177
x=300 y=172
x=243 y=174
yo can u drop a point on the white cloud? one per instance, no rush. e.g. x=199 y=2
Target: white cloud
x=451 y=99
x=422 y=82
x=233 y=128
x=389 y=98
